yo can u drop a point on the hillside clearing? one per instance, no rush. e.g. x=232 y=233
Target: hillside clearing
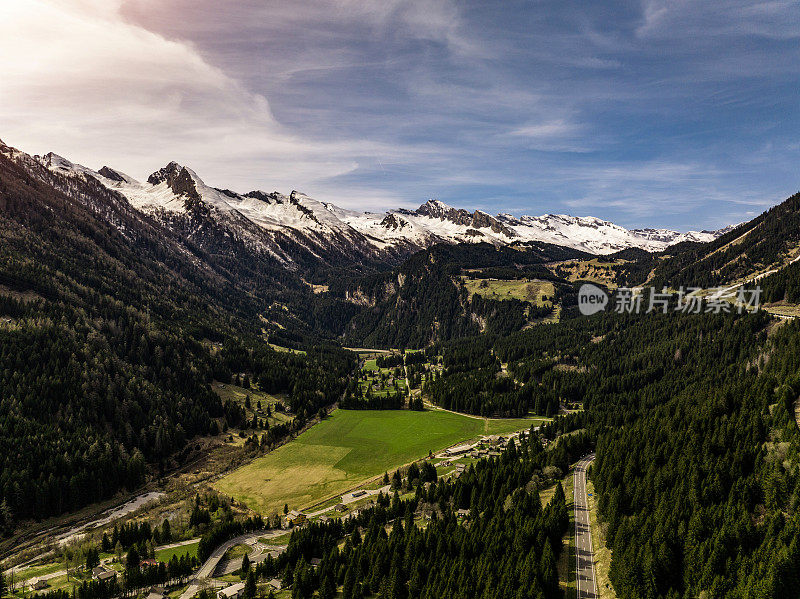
x=529 y=290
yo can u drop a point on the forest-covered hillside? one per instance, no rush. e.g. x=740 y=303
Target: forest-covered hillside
x=423 y=300
x=766 y=241
x=697 y=445
x=110 y=328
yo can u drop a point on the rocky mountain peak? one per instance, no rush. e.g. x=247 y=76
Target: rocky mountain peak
x=392 y=221
x=178 y=178
x=169 y=173
x=110 y=173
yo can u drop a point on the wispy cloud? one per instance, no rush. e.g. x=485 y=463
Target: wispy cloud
x=654 y=113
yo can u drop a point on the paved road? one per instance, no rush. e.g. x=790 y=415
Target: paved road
x=584 y=553
x=206 y=571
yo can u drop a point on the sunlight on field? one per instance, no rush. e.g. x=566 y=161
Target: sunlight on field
x=529 y=290
x=166 y=554
x=348 y=448
x=593 y=271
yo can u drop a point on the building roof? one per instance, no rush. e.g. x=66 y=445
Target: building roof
x=232 y=590
x=295 y=514
x=459 y=449
x=106 y=575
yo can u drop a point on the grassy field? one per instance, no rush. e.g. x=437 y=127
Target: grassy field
x=370 y=365
x=166 y=554
x=237 y=551
x=529 y=290
x=348 y=448
x=594 y=271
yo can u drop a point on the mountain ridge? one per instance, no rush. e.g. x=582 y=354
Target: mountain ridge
x=263 y=219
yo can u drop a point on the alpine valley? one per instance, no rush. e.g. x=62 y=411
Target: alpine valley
x=200 y=386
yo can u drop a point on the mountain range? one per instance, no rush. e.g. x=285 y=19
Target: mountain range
x=280 y=224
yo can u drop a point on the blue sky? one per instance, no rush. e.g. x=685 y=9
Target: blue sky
x=666 y=114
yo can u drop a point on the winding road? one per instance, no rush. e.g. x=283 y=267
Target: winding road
x=584 y=553
x=204 y=575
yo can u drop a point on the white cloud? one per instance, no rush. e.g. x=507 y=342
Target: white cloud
x=776 y=19
x=74 y=71
x=548 y=130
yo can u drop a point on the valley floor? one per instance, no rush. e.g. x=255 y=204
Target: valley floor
x=349 y=449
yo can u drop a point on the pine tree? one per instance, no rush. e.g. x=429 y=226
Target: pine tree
x=250 y=584
x=166 y=532
x=132 y=560
x=245 y=565
x=328 y=588
x=349 y=583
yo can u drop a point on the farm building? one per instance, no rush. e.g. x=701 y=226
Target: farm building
x=295 y=518
x=340 y=507
x=232 y=592
x=156 y=593
x=458 y=450
x=37 y=584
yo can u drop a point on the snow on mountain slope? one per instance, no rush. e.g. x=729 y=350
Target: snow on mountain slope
x=274 y=219
x=436 y=221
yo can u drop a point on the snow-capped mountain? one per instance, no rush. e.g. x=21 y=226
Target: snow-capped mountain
x=280 y=224
x=440 y=222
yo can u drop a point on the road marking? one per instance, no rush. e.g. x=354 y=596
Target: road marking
x=581 y=543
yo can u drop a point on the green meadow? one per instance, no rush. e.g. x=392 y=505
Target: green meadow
x=348 y=448
x=166 y=554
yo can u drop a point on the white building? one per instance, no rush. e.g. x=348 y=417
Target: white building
x=458 y=450
x=232 y=592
